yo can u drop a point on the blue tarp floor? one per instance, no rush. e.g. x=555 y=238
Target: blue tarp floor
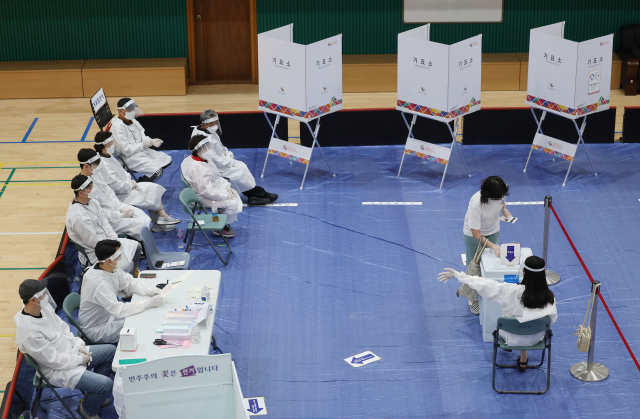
x=308 y=286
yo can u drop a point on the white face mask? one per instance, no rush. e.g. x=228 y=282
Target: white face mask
x=207 y=155
x=93 y=194
x=212 y=130
x=130 y=115
x=110 y=149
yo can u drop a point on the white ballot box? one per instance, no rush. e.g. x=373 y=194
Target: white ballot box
x=491 y=268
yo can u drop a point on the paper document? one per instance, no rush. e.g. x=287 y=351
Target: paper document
x=173 y=264
x=166 y=290
x=511 y=220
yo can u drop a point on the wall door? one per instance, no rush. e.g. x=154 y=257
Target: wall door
x=222 y=31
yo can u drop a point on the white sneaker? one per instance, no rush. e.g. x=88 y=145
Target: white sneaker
x=474 y=306
x=168 y=220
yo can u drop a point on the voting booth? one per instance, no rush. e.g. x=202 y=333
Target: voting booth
x=569 y=79
x=492 y=268
x=440 y=82
x=300 y=82
x=100 y=108
x=194 y=386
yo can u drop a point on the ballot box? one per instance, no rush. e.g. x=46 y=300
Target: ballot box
x=491 y=268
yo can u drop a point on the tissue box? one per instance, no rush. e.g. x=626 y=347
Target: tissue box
x=128 y=340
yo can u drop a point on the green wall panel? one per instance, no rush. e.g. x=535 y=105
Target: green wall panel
x=371 y=26
x=32 y=30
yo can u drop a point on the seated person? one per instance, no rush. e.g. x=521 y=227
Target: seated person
x=146 y=195
x=101 y=315
x=529 y=300
x=213 y=190
x=63 y=358
x=236 y=171
x=133 y=145
x=124 y=218
x=87 y=224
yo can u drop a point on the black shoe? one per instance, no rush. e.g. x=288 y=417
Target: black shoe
x=272 y=196
x=254 y=200
x=522 y=366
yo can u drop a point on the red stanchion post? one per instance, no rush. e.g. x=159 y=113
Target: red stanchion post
x=552 y=277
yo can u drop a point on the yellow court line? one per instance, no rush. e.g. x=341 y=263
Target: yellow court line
x=36 y=162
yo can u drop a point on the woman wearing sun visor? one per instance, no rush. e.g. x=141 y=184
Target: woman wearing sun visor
x=133 y=145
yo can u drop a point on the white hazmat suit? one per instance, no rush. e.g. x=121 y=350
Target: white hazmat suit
x=212 y=189
x=146 y=195
x=88 y=224
x=113 y=207
x=129 y=139
x=509 y=297
x=236 y=171
x=49 y=341
x=101 y=315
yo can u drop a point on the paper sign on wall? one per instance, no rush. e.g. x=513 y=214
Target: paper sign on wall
x=565 y=77
x=298 y=81
x=435 y=80
x=554 y=147
x=290 y=151
x=427 y=151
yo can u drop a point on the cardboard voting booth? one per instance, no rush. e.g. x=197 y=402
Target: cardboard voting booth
x=183 y=386
x=440 y=82
x=569 y=79
x=300 y=82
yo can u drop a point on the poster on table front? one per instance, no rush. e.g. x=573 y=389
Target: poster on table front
x=324 y=75
x=593 y=72
x=465 y=76
x=423 y=73
x=281 y=65
x=552 y=69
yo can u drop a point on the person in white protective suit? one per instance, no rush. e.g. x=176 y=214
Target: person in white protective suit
x=124 y=218
x=145 y=195
x=87 y=224
x=236 y=171
x=101 y=315
x=212 y=189
x=530 y=300
x=133 y=144
x=63 y=358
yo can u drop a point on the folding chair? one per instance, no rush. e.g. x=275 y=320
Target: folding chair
x=70 y=304
x=154 y=255
x=196 y=205
x=184 y=181
x=39 y=385
x=86 y=264
x=513 y=326
x=202 y=222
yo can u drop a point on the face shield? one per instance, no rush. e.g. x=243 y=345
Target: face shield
x=45 y=298
x=203 y=147
x=213 y=125
x=93 y=162
x=118 y=260
x=85 y=186
x=132 y=110
x=523 y=267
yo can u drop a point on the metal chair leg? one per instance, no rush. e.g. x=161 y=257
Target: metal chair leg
x=36 y=402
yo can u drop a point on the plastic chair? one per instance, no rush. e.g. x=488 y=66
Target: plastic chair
x=184 y=181
x=85 y=265
x=196 y=205
x=40 y=385
x=203 y=222
x=70 y=304
x=513 y=326
x=154 y=255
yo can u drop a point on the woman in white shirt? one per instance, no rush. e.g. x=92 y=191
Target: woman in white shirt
x=530 y=300
x=482 y=221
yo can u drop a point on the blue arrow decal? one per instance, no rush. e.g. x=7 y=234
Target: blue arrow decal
x=253 y=406
x=511 y=253
x=361 y=359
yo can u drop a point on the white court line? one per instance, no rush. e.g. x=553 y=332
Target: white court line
x=273 y=205
x=20 y=234
x=392 y=203
x=525 y=203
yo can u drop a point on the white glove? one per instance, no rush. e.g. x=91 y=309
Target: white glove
x=84 y=350
x=231 y=154
x=156 y=142
x=496 y=249
x=154 y=301
x=146 y=142
x=126 y=213
x=450 y=273
x=153 y=291
x=229 y=188
x=133 y=183
x=85 y=359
